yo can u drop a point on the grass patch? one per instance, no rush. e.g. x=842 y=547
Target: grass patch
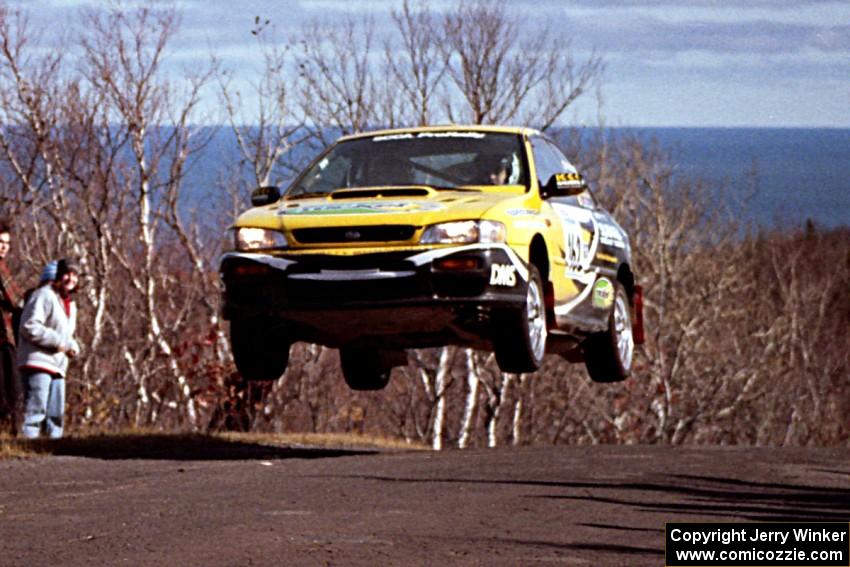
x=11 y=448
x=327 y=440
x=193 y=446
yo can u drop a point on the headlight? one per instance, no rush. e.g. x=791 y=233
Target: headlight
x=259 y=239
x=492 y=231
x=464 y=232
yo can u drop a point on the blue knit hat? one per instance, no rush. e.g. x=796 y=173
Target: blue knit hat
x=48 y=274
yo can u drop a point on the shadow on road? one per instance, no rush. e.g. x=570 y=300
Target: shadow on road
x=686 y=495
x=728 y=498
x=189 y=447
x=629 y=550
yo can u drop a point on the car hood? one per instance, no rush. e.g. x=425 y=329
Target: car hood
x=417 y=207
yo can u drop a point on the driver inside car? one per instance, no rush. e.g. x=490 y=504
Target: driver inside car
x=496 y=170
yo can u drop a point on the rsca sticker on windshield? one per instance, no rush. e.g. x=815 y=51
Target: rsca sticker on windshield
x=360 y=208
x=410 y=136
x=603 y=293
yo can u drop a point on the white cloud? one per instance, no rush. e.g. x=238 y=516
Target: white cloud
x=736 y=57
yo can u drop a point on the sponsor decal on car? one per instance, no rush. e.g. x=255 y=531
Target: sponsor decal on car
x=577 y=214
x=603 y=293
x=569 y=180
x=521 y=212
x=531 y=224
x=609 y=235
x=359 y=208
x=503 y=275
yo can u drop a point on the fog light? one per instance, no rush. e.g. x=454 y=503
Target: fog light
x=457 y=264
x=250 y=270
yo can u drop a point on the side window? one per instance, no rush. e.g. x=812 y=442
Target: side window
x=564 y=163
x=584 y=199
x=547 y=162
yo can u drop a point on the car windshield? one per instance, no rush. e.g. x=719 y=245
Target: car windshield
x=453 y=159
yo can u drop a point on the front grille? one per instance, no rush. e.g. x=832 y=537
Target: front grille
x=275 y=289
x=331 y=293
x=382 y=233
x=391 y=261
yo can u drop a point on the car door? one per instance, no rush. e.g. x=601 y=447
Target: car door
x=578 y=216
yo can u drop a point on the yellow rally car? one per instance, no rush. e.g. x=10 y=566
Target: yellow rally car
x=478 y=236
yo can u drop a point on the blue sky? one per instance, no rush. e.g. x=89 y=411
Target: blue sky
x=668 y=63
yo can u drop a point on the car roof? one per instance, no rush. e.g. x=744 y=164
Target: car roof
x=521 y=130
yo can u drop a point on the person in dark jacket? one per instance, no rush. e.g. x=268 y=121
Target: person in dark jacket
x=47 y=343
x=10 y=381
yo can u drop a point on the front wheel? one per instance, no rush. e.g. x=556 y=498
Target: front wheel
x=608 y=355
x=519 y=334
x=260 y=348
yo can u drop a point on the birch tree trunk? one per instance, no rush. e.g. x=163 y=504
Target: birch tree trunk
x=518 y=407
x=444 y=370
x=471 y=400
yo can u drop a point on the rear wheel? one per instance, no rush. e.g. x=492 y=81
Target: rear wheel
x=364 y=368
x=519 y=334
x=260 y=348
x=608 y=355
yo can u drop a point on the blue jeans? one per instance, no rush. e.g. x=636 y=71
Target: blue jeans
x=44 y=404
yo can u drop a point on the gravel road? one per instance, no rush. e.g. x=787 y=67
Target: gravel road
x=253 y=504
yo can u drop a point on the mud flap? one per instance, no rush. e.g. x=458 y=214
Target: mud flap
x=637 y=325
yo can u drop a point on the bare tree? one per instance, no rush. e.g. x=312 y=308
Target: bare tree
x=338 y=93
x=267 y=125
x=418 y=67
x=503 y=74
x=123 y=56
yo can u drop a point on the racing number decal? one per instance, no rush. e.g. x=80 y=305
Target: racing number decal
x=581 y=240
x=580 y=236
x=576 y=250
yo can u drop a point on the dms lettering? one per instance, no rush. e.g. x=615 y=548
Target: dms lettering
x=501 y=274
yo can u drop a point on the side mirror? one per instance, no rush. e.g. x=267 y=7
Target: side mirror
x=564 y=185
x=265 y=196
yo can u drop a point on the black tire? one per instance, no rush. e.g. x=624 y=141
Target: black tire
x=519 y=334
x=608 y=355
x=364 y=368
x=260 y=348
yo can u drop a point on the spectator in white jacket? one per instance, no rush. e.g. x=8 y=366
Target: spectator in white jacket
x=46 y=343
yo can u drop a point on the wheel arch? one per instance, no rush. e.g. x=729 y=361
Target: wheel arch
x=538 y=256
x=627 y=278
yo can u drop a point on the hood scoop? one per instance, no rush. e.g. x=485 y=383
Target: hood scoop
x=372 y=193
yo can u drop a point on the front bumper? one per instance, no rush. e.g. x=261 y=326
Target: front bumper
x=329 y=298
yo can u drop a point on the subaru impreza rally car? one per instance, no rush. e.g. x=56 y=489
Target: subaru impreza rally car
x=485 y=237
